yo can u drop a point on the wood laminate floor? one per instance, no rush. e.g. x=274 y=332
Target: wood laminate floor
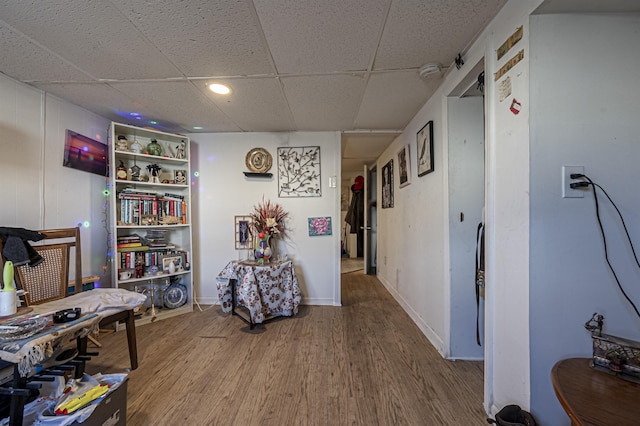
x=365 y=363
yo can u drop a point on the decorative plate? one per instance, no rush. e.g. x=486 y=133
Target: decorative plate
x=175 y=296
x=258 y=160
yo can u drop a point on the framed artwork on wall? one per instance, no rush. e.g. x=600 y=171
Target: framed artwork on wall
x=424 y=156
x=83 y=153
x=387 y=185
x=404 y=171
x=319 y=226
x=243 y=236
x=299 y=172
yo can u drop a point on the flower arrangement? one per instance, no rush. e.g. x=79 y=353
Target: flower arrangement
x=268 y=219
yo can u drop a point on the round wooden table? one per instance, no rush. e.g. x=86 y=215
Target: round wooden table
x=595 y=398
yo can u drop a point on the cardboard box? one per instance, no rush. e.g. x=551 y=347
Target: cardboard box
x=112 y=411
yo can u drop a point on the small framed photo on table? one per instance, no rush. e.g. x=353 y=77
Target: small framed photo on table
x=243 y=237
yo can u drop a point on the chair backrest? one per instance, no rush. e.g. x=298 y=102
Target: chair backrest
x=49 y=280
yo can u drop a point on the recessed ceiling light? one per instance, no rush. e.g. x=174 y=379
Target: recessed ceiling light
x=220 y=89
x=197 y=127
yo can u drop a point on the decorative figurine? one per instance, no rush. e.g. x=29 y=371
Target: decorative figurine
x=180 y=154
x=136 y=147
x=154 y=171
x=121 y=171
x=122 y=144
x=135 y=173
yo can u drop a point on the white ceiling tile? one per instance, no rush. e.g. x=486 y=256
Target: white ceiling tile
x=35 y=64
x=92 y=34
x=321 y=36
x=202 y=37
x=336 y=99
x=423 y=31
x=367 y=146
x=179 y=102
x=392 y=99
x=255 y=104
x=97 y=97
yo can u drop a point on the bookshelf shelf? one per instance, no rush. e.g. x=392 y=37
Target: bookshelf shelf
x=150 y=206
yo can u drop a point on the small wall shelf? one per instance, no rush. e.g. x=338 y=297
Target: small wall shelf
x=258 y=175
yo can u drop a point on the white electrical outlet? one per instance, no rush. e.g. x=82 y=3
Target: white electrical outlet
x=567 y=191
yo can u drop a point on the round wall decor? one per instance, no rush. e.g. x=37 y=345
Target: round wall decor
x=258 y=160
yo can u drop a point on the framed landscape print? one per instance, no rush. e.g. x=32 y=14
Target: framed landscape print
x=404 y=172
x=425 y=149
x=387 y=185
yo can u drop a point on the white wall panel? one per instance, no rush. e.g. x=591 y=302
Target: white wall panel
x=222 y=191
x=21 y=160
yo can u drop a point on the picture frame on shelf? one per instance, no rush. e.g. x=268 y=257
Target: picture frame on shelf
x=404 y=171
x=180 y=177
x=168 y=260
x=243 y=237
x=424 y=157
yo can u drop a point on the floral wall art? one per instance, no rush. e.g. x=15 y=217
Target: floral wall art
x=319 y=226
x=299 y=172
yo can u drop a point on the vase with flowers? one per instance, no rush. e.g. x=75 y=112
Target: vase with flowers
x=268 y=224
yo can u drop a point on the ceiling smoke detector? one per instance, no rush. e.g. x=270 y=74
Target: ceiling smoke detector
x=430 y=70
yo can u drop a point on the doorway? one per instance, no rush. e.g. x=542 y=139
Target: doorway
x=466 y=194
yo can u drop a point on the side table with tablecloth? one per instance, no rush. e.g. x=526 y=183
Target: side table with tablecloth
x=266 y=290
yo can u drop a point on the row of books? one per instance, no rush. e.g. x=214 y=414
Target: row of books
x=149 y=212
x=147 y=259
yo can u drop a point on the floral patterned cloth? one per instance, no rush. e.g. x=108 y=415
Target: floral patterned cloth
x=266 y=290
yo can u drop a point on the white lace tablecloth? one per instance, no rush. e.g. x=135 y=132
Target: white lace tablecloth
x=265 y=290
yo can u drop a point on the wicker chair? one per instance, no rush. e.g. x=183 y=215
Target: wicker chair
x=49 y=280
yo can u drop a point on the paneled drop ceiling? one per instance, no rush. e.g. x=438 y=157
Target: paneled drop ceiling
x=292 y=65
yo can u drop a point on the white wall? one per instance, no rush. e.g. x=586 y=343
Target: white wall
x=418 y=276
x=37 y=191
x=584 y=111
x=222 y=192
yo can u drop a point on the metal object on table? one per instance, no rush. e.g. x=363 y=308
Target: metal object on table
x=613 y=354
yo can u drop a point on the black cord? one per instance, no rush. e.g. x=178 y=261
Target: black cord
x=604 y=238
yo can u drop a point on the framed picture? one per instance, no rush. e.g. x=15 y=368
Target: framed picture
x=176 y=260
x=299 y=172
x=425 y=149
x=319 y=226
x=387 y=185
x=86 y=154
x=403 y=166
x=180 y=177
x=244 y=240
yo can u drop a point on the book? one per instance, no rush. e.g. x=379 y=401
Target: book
x=129 y=249
x=126 y=245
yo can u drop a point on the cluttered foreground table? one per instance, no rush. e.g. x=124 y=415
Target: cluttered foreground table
x=595 y=398
x=266 y=290
x=28 y=340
